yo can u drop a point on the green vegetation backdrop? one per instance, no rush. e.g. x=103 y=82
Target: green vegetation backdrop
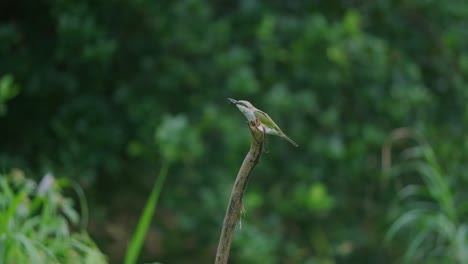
x=92 y=90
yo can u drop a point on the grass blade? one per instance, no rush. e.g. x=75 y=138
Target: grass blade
x=136 y=243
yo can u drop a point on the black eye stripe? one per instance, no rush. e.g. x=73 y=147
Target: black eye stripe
x=244 y=105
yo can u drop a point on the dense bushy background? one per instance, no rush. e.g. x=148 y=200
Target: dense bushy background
x=88 y=87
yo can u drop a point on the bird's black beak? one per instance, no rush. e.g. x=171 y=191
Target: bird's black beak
x=232 y=101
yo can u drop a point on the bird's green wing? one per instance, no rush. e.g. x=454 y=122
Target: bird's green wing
x=266 y=119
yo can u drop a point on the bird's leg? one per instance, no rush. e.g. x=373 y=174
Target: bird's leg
x=258 y=125
x=264 y=141
x=255 y=123
x=249 y=124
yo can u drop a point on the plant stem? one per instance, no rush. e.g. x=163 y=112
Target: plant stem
x=235 y=201
x=136 y=243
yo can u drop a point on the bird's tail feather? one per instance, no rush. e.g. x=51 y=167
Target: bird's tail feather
x=289 y=140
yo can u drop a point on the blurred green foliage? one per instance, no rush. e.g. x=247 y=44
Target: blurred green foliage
x=428 y=212
x=105 y=83
x=8 y=90
x=36 y=223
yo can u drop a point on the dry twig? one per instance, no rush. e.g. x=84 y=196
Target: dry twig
x=235 y=202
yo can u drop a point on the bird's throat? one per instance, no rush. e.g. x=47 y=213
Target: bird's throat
x=249 y=114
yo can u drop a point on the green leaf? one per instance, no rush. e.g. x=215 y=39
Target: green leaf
x=138 y=238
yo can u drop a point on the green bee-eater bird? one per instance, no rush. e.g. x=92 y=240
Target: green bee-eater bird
x=266 y=123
